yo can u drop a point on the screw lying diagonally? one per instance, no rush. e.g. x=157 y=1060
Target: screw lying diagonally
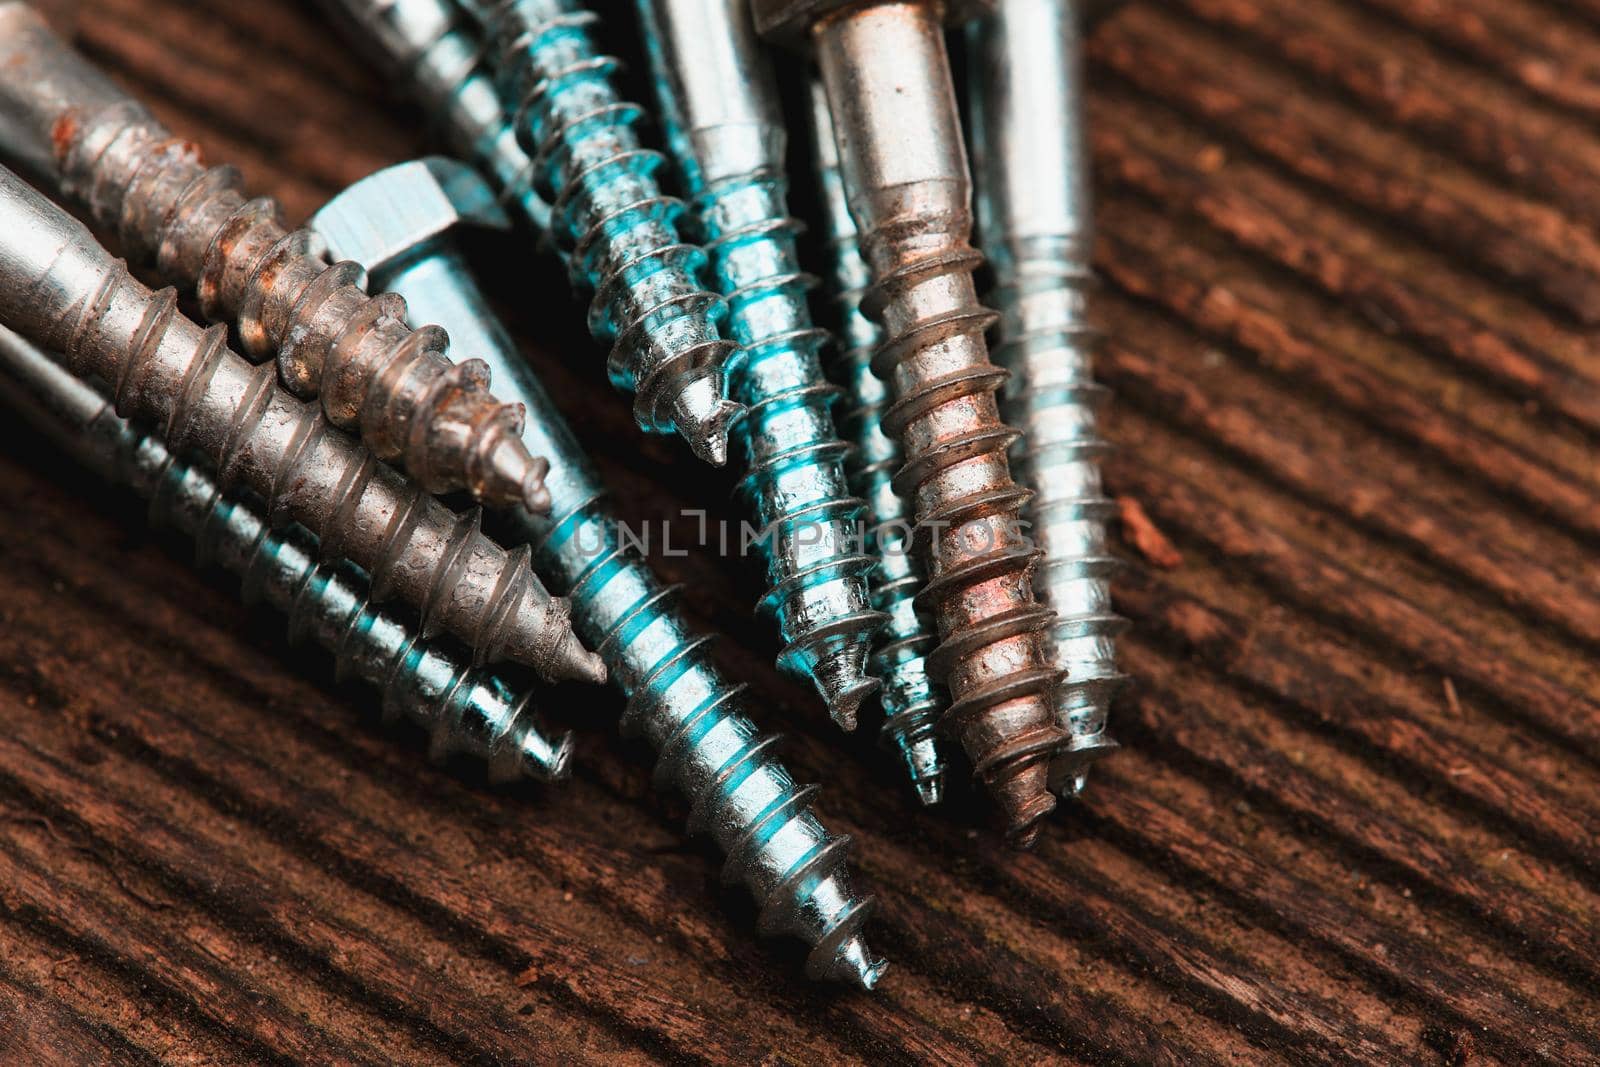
x=1034 y=218
x=695 y=719
x=912 y=701
x=372 y=372
x=720 y=101
x=65 y=293
x=607 y=212
x=889 y=93
x=463 y=709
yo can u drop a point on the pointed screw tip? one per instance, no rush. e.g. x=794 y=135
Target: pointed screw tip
x=930 y=790
x=708 y=435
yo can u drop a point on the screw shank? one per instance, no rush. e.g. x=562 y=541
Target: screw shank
x=899 y=140
x=718 y=95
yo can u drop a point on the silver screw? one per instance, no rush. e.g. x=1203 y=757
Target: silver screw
x=912 y=701
x=720 y=101
x=371 y=371
x=67 y=294
x=463 y=709
x=1035 y=220
x=677 y=699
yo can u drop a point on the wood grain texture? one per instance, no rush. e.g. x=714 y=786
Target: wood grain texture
x=1351 y=255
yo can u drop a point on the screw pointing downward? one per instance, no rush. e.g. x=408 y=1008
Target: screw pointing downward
x=462 y=708
x=608 y=214
x=708 y=749
x=1034 y=219
x=372 y=372
x=895 y=123
x=912 y=701
x=65 y=293
x=720 y=101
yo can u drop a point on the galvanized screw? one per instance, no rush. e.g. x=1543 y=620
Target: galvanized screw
x=463 y=709
x=720 y=101
x=912 y=701
x=1034 y=218
x=677 y=699
x=608 y=214
x=372 y=372
x=889 y=92
x=65 y=293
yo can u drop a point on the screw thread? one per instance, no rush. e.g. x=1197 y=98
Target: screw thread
x=1035 y=216
x=1048 y=345
x=796 y=479
x=721 y=762
x=617 y=230
x=463 y=709
x=66 y=293
x=914 y=237
x=372 y=372
x=912 y=701
x=707 y=747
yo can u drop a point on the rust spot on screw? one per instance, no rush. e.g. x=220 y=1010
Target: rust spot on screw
x=64 y=132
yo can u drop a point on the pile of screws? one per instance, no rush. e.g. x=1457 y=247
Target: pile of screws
x=935 y=526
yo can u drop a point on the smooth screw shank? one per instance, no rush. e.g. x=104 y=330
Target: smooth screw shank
x=372 y=372
x=463 y=709
x=912 y=701
x=905 y=172
x=65 y=293
x=720 y=101
x=708 y=749
x=607 y=213
x=1034 y=217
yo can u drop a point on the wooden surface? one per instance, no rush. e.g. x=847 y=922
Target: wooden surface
x=1352 y=263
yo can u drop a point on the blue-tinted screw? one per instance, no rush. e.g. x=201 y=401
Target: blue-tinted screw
x=1035 y=225
x=464 y=710
x=912 y=701
x=677 y=700
x=720 y=101
x=609 y=216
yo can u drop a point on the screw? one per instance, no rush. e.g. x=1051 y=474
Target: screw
x=887 y=80
x=607 y=212
x=720 y=100
x=372 y=372
x=463 y=709
x=912 y=701
x=1034 y=216
x=67 y=294
x=677 y=699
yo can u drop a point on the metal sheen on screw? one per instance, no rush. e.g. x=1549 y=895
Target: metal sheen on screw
x=677 y=699
x=720 y=101
x=67 y=294
x=1034 y=219
x=373 y=373
x=912 y=700
x=889 y=91
x=463 y=709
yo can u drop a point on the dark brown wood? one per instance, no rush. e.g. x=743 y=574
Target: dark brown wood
x=1348 y=247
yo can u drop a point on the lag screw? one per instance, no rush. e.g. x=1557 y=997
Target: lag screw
x=677 y=700
x=889 y=92
x=912 y=701
x=607 y=213
x=463 y=709
x=373 y=373
x=64 y=292
x=719 y=98
x=1034 y=217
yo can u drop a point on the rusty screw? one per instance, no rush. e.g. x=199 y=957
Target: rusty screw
x=887 y=80
x=107 y=153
